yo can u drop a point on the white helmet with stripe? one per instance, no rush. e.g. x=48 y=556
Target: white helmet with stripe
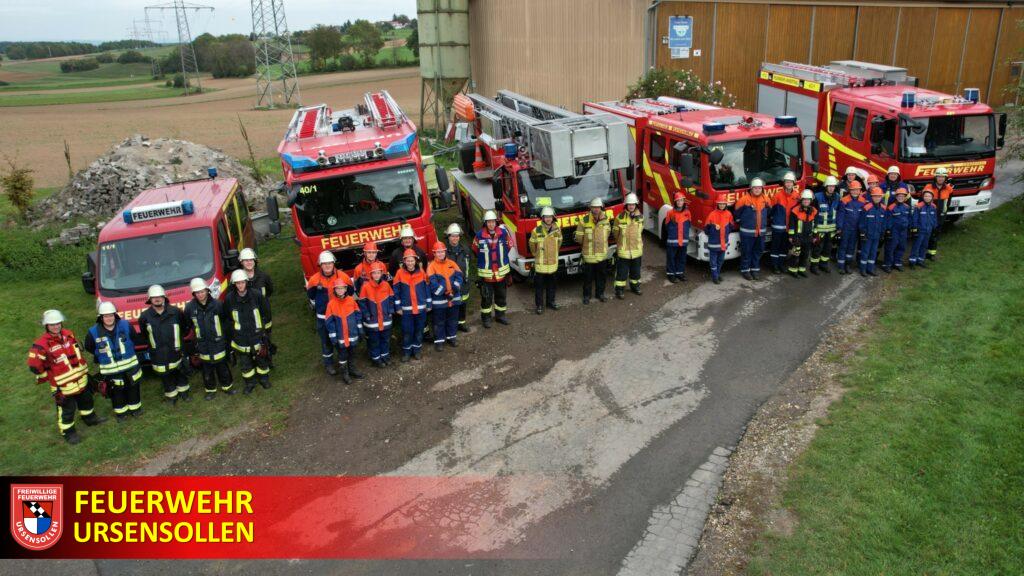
x=239 y=276
x=326 y=257
x=490 y=215
x=453 y=230
x=52 y=317
x=197 y=285
x=247 y=254
x=106 y=308
x=631 y=199
x=547 y=211
x=831 y=181
x=155 y=291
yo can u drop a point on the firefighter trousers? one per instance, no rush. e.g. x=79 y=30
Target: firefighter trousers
x=821 y=252
x=446 y=323
x=779 y=248
x=751 y=250
x=174 y=382
x=895 y=246
x=799 y=254
x=125 y=395
x=253 y=367
x=919 y=248
x=462 y=309
x=933 y=242
x=378 y=343
x=675 y=261
x=493 y=298
x=80 y=403
x=543 y=289
x=412 y=332
x=868 y=254
x=326 y=348
x=343 y=355
x=716 y=258
x=594 y=276
x=214 y=372
x=847 y=252
x=627 y=268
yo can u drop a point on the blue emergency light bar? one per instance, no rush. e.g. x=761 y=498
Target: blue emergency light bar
x=158 y=211
x=972 y=95
x=785 y=120
x=714 y=127
x=908 y=100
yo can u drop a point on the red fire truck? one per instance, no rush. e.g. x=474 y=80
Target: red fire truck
x=706 y=151
x=872 y=116
x=168 y=236
x=521 y=155
x=354 y=176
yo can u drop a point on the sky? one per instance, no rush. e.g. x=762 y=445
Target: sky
x=100 y=20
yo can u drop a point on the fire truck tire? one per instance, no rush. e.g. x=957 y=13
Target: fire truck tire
x=953 y=218
x=467 y=153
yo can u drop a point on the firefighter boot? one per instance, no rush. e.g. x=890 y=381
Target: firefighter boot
x=824 y=267
x=353 y=371
x=463 y=327
x=72 y=437
x=635 y=289
x=619 y=294
x=265 y=381
x=501 y=319
x=746 y=276
x=93 y=419
x=345 y=377
x=486 y=320
x=250 y=385
x=814 y=269
x=331 y=370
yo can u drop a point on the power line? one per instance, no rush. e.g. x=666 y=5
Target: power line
x=275 y=61
x=189 y=65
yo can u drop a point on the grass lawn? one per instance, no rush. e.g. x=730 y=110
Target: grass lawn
x=920 y=468
x=134 y=93
x=112 y=74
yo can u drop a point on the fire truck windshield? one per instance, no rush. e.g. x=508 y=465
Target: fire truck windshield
x=169 y=259
x=765 y=158
x=948 y=137
x=567 y=195
x=357 y=200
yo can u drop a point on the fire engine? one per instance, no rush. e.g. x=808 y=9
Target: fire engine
x=168 y=236
x=872 y=116
x=354 y=176
x=708 y=152
x=520 y=155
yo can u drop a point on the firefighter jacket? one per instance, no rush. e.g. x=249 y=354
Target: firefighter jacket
x=411 y=291
x=362 y=274
x=446 y=282
x=261 y=281
x=344 y=320
x=377 y=304
x=828 y=212
x=458 y=254
x=677 y=227
x=898 y=220
x=873 y=220
x=801 y=223
x=544 y=245
x=628 y=229
x=844 y=186
x=718 y=227
x=164 y=332
x=319 y=289
x=782 y=205
x=848 y=216
x=395 y=259
x=592 y=236
x=889 y=189
x=492 y=249
x=751 y=214
x=925 y=217
x=57 y=360
x=249 y=316
x=209 y=328
x=112 y=350
x=941 y=196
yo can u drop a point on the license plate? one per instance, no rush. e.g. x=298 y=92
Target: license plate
x=954 y=203
x=572 y=266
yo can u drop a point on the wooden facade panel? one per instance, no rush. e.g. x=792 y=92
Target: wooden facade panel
x=947 y=46
x=1011 y=42
x=703 y=14
x=914 y=44
x=741 y=38
x=981 y=39
x=833 y=33
x=876 y=33
x=789 y=36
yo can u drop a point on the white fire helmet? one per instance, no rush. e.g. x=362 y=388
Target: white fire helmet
x=631 y=199
x=893 y=170
x=942 y=171
x=106 y=308
x=453 y=230
x=197 y=285
x=154 y=291
x=490 y=215
x=239 y=276
x=807 y=195
x=789 y=176
x=757 y=182
x=831 y=181
x=547 y=211
x=52 y=317
x=597 y=203
x=326 y=257
x=247 y=254
x=851 y=170
x=407 y=232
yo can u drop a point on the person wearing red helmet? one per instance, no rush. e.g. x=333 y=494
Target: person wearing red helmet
x=362 y=270
x=412 y=302
x=446 y=282
x=377 y=304
x=873 y=222
x=677 y=235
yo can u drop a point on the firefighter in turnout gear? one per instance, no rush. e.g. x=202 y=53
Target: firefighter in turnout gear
x=827 y=201
x=849 y=177
x=344 y=326
x=872 y=228
x=942 y=192
x=164 y=328
x=446 y=285
x=923 y=220
x=458 y=254
x=407 y=242
x=318 y=290
x=209 y=330
x=258 y=279
x=892 y=184
x=56 y=359
x=249 y=315
x=847 y=223
x=677 y=236
x=592 y=234
x=782 y=205
x=377 y=305
x=492 y=246
x=412 y=303
x=545 y=242
x=751 y=213
x=362 y=271
x=897 y=228
x=718 y=227
x=801 y=234
x=111 y=341
x=628 y=229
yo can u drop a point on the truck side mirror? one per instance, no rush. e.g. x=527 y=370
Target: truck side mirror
x=1001 y=139
x=814 y=149
x=687 y=169
x=715 y=156
x=231 y=259
x=442 y=179
x=273 y=212
x=496 y=190
x=630 y=172
x=499 y=205
x=292 y=195
x=89 y=277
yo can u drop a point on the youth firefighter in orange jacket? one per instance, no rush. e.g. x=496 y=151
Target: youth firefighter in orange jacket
x=801 y=234
x=412 y=303
x=677 y=235
x=718 y=226
x=941 y=191
x=56 y=359
x=344 y=325
x=446 y=280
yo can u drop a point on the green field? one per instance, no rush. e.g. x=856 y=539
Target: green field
x=49 y=76
x=132 y=93
x=919 y=469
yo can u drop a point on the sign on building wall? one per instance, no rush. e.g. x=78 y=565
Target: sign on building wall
x=680 y=36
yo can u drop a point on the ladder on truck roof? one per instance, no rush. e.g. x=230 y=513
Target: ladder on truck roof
x=383 y=109
x=560 y=143
x=309 y=122
x=657 y=106
x=842 y=73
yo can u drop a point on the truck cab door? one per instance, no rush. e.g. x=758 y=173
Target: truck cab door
x=883 y=137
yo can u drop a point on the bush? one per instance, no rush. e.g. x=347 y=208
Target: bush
x=683 y=84
x=347 y=62
x=18 y=185
x=24 y=254
x=80 y=65
x=105 y=58
x=132 y=57
x=179 y=81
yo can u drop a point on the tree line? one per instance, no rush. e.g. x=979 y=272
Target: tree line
x=349 y=46
x=36 y=50
x=230 y=55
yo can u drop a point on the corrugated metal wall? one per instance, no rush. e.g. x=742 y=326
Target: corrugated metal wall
x=568 y=51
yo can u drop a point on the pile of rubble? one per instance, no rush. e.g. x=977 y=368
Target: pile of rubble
x=100 y=190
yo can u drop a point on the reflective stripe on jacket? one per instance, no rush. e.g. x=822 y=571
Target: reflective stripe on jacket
x=57 y=360
x=718 y=227
x=410 y=290
x=377 y=304
x=113 y=350
x=492 y=253
x=628 y=230
x=164 y=332
x=208 y=328
x=751 y=214
x=828 y=212
x=446 y=282
x=250 y=318
x=801 y=222
x=592 y=236
x=544 y=245
x=677 y=227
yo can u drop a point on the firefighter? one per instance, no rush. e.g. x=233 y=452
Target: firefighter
x=407 y=242
x=923 y=220
x=258 y=279
x=801 y=234
x=752 y=218
x=847 y=222
x=249 y=315
x=344 y=325
x=111 y=341
x=458 y=254
x=362 y=271
x=209 y=331
x=492 y=246
x=376 y=305
x=677 y=235
x=412 y=302
x=718 y=226
x=164 y=328
x=827 y=204
x=446 y=282
x=318 y=290
x=872 y=228
x=628 y=230
x=892 y=184
x=56 y=359
x=849 y=177
x=545 y=241
x=592 y=234
x=941 y=191
x=897 y=228
x=782 y=204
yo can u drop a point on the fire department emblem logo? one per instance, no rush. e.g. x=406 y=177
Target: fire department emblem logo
x=37 y=514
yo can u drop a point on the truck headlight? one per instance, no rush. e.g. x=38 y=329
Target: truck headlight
x=986 y=183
